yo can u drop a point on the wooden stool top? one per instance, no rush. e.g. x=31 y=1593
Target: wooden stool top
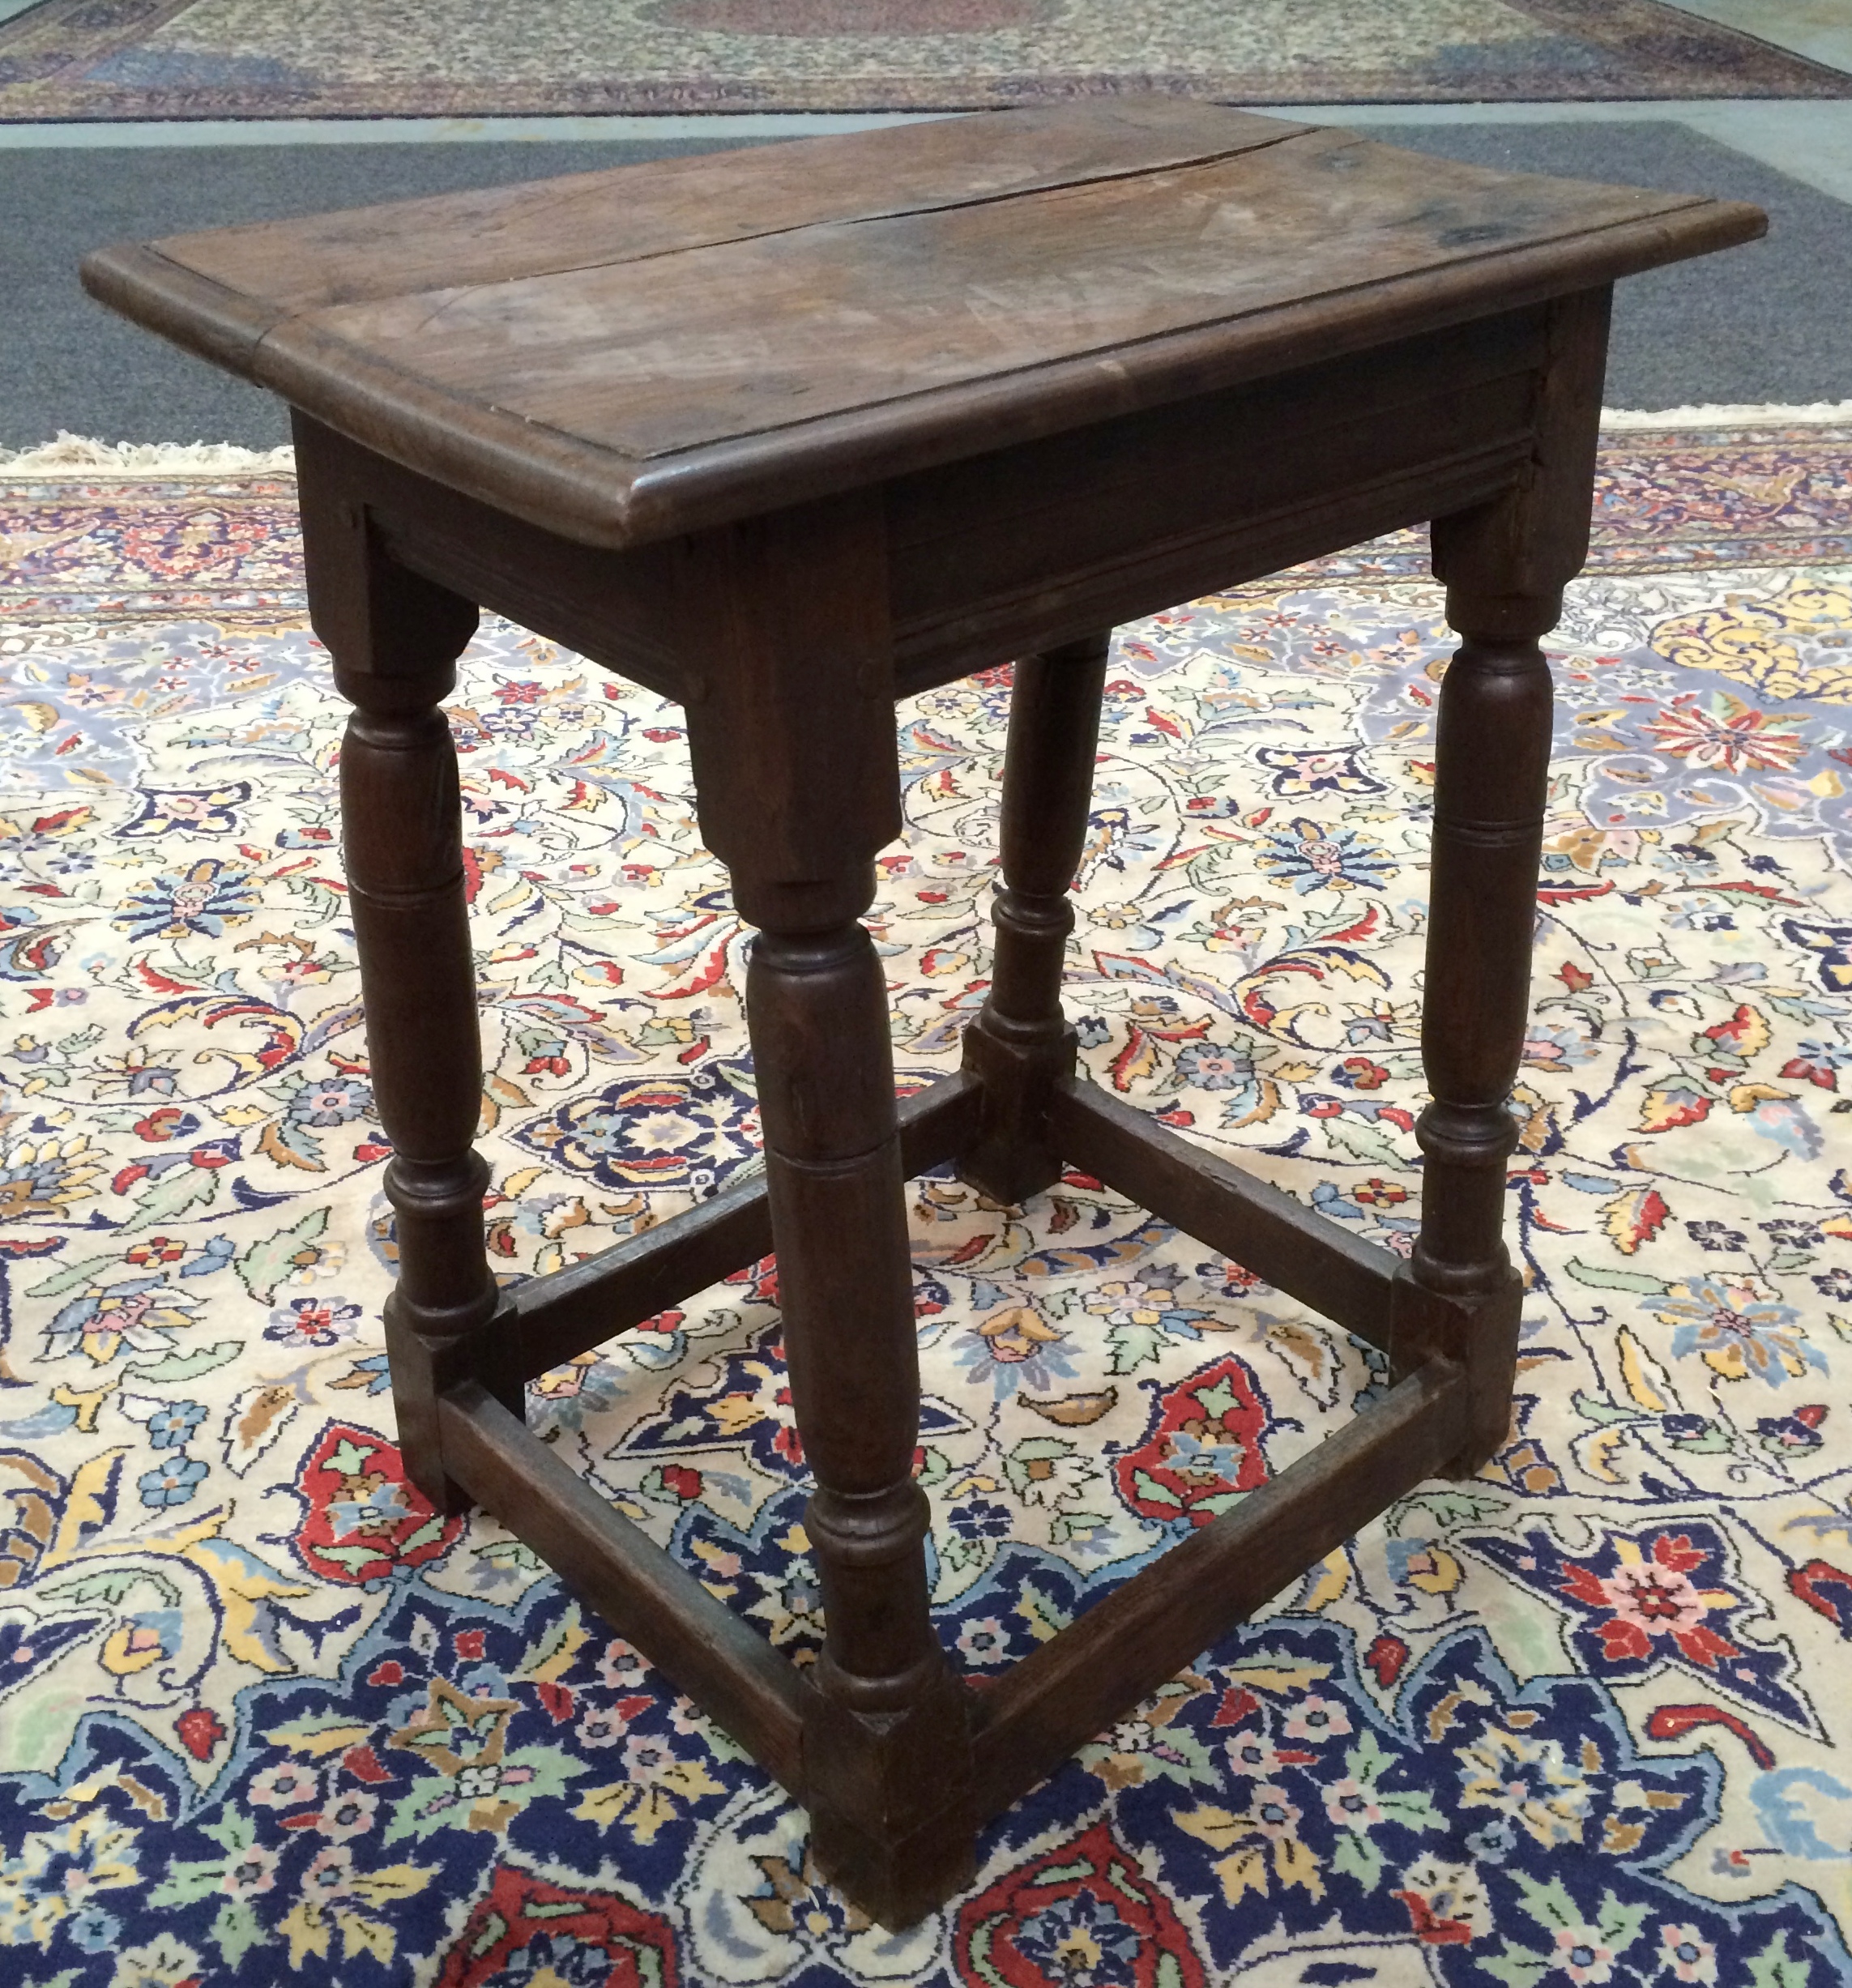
x=623 y=354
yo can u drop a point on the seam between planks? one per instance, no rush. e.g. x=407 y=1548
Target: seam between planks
x=1101 y=177
x=1048 y=189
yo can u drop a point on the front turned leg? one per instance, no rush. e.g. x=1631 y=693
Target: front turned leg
x=1021 y=1041
x=395 y=639
x=797 y=777
x=1493 y=767
x=886 y=1752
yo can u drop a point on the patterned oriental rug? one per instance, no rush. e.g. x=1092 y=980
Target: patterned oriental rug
x=356 y=59
x=1583 y=1720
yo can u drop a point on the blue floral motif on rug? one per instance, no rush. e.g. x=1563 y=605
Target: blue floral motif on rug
x=267 y=1718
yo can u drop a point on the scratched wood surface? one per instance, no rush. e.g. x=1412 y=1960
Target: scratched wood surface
x=621 y=354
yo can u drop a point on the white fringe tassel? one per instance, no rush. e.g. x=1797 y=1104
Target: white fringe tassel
x=80 y=456
x=1816 y=414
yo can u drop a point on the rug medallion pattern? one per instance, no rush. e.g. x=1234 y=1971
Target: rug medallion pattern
x=1583 y=1720
x=472 y=58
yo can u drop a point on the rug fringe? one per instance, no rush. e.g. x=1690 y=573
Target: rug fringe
x=72 y=455
x=77 y=455
x=1738 y=414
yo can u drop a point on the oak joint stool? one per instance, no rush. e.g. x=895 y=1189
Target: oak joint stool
x=785 y=435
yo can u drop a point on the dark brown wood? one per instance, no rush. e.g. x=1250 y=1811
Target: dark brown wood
x=394 y=639
x=1326 y=458
x=622 y=610
x=616 y=1566
x=1505 y=564
x=796 y=760
x=1021 y=1041
x=1529 y=542
x=662 y=357
x=1247 y=1220
x=887 y=1754
x=1122 y=1648
x=1086 y=530
x=668 y=367
x=571 y=1311
x=788 y=435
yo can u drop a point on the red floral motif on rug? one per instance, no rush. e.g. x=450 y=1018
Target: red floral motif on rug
x=527 y=1929
x=1202 y=1452
x=365 y=1519
x=1082 y=1911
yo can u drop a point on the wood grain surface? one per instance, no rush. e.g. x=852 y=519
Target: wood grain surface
x=630 y=213
x=710 y=344
x=624 y=355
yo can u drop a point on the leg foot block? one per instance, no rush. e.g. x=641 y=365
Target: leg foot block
x=1015 y=1156
x=892 y=1816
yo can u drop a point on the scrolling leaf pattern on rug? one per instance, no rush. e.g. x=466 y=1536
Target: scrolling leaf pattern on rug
x=268 y=1717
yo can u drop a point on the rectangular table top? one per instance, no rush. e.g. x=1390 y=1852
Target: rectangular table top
x=622 y=355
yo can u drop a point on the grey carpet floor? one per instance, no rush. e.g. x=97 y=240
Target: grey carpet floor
x=1766 y=322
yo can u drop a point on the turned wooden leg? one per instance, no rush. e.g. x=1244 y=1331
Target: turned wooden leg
x=1021 y=1041
x=885 y=1750
x=1505 y=564
x=798 y=784
x=395 y=639
x=1493 y=763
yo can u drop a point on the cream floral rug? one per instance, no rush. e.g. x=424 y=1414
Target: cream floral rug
x=1583 y=1720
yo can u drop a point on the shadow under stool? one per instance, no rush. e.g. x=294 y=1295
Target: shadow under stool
x=787 y=434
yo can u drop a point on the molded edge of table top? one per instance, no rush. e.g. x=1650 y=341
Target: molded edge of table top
x=598 y=496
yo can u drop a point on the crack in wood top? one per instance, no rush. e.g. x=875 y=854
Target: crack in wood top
x=650 y=349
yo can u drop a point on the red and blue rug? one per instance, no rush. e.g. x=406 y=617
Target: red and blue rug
x=266 y=1719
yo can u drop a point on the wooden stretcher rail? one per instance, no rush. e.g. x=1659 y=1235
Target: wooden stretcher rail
x=1120 y=1651
x=718 y=1660
x=571 y=1311
x=1250 y=1221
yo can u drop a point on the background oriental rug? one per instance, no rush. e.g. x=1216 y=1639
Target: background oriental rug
x=1581 y=1721
x=356 y=58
